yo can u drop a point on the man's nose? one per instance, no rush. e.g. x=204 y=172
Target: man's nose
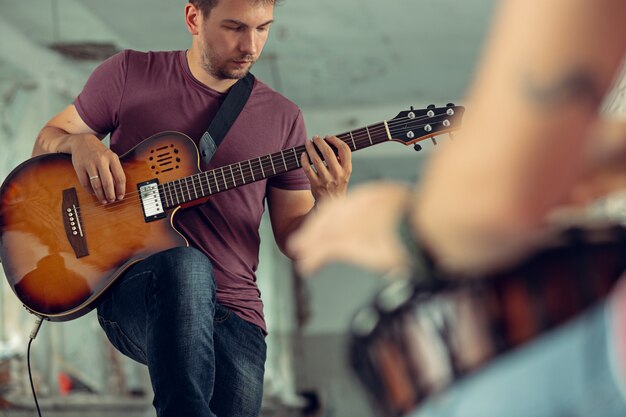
x=248 y=43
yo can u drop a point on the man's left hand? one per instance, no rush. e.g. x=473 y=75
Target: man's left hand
x=328 y=177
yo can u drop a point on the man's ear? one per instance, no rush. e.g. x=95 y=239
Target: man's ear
x=193 y=15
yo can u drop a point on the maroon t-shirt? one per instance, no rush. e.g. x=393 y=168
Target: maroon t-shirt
x=134 y=95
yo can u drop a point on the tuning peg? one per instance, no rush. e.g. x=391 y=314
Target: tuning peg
x=412 y=108
x=434 y=140
x=431 y=106
x=417 y=147
x=450 y=105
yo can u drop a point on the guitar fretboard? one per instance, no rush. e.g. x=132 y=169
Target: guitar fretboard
x=206 y=183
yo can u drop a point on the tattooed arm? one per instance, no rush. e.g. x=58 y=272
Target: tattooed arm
x=525 y=140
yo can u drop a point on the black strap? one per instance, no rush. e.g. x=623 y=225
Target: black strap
x=225 y=117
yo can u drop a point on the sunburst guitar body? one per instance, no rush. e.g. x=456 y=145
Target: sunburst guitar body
x=62 y=249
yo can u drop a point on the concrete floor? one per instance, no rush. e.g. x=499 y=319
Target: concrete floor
x=82 y=405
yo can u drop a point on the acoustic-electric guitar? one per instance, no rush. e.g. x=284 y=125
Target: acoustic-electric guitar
x=62 y=249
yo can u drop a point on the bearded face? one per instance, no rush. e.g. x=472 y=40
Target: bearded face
x=232 y=37
x=225 y=67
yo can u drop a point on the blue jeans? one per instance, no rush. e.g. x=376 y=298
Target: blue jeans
x=204 y=361
x=569 y=372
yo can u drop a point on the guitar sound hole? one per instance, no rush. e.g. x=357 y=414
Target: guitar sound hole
x=165 y=159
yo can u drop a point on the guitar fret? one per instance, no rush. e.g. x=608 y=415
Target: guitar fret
x=233 y=175
x=193 y=184
x=242 y=177
x=261 y=165
x=217 y=184
x=208 y=182
x=224 y=177
x=368 y=135
x=169 y=190
x=164 y=194
x=353 y=144
x=387 y=130
x=251 y=170
x=172 y=189
x=284 y=163
x=272 y=161
x=176 y=192
x=295 y=156
x=187 y=187
x=192 y=188
x=182 y=192
x=202 y=192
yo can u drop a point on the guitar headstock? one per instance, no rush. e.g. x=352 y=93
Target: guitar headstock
x=412 y=126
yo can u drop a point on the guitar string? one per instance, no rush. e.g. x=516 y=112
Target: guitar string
x=182 y=190
x=175 y=199
x=377 y=128
x=266 y=166
x=266 y=163
x=98 y=209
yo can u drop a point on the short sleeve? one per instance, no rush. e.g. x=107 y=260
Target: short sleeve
x=99 y=102
x=296 y=179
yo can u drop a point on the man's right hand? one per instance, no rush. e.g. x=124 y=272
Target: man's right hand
x=98 y=168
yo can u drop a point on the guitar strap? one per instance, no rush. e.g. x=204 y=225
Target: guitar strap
x=225 y=117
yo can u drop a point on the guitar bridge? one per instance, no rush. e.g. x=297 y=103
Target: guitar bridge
x=151 y=201
x=72 y=223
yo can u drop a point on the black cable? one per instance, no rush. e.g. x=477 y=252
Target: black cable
x=33 y=334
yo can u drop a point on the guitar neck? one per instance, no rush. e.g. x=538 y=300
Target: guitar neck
x=199 y=186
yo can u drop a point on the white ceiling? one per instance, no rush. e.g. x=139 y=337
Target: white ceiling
x=321 y=52
x=347 y=63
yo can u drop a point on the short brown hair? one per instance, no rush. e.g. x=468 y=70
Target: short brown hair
x=205 y=6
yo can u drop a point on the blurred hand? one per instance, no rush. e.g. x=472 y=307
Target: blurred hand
x=98 y=168
x=360 y=229
x=606 y=164
x=329 y=179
